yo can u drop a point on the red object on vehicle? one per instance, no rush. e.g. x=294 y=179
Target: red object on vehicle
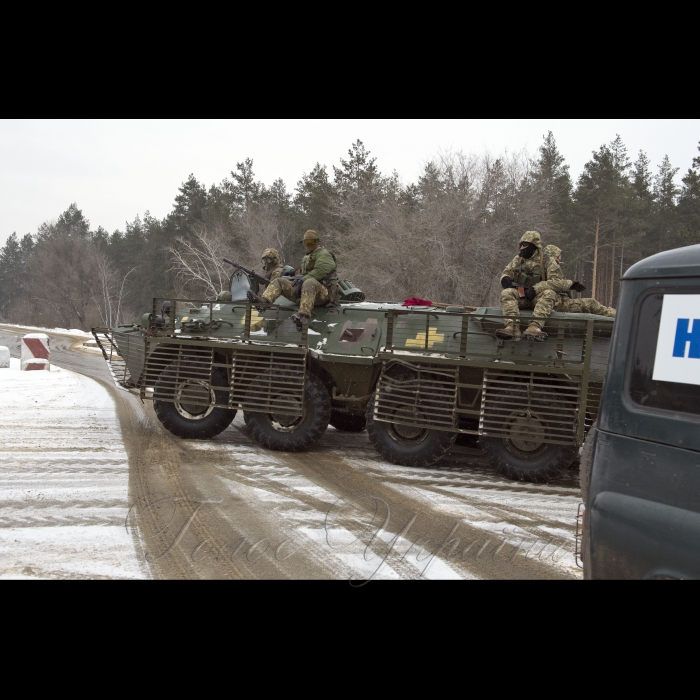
x=415 y=301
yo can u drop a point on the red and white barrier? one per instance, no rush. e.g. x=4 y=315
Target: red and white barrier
x=35 y=352
x=4 y=357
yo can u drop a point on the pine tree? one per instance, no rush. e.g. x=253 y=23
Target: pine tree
x=278 y=196
x=314 y=199
x=665 y=199
x=601 y=200
x=70 y=223
x=358 y=175
x=189 y=205
x=688 y=209
x=552 y=175
x=621 y=161
x=242 y=191
x=73 y=222
x=13 y=268
x=636 y=239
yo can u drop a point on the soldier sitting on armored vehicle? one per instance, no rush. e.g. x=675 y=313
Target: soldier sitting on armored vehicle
x=311 y=287
x=271 y=263
x=565 y=303
x=525 y=283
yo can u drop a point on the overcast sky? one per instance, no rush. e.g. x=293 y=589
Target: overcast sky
x=116 y=169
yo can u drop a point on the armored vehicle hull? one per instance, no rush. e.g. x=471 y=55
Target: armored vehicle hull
x=415 y=376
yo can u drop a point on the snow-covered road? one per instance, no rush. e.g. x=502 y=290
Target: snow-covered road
x=64 y=477
x=227 y=508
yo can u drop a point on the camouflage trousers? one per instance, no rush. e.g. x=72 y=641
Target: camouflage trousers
x=583 y=306
x=313 y=293
x=542 y=305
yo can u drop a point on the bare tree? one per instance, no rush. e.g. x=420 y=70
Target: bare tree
x=197 y=261
x=109 y=292
x=452 y=241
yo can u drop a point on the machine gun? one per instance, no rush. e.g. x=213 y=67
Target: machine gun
x=253 y=275
x=523 y=290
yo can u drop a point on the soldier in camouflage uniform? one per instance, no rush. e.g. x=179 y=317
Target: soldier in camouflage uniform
x=311 y=287
x=533 y=272
x=272 y=266
x=565 y=303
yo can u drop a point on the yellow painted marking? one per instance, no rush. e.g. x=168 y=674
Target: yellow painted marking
x=184 y=318
x=419 y=340
x=256 y=321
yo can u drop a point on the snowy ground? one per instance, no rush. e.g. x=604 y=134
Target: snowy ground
x=63 y=331
x=489 y=518
x=338 y=511
x=63 y=479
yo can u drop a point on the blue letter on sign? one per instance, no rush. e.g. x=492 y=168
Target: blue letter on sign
x=684 y=336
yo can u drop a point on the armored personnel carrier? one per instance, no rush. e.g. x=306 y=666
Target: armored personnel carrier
x=415 y=377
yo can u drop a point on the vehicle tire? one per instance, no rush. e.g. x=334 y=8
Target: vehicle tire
x=587 y=461
x=348 y=423
x=521 y=459
x=291 y=433
x=411 y=447
x=188 y=420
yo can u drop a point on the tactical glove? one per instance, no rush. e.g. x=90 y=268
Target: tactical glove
x=506 y=282
x=577 y=287
x=298 y=282
x=530 y=293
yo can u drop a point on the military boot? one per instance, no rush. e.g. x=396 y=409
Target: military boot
x=510 y=332
x=301 y=320
x=534 y=332
x=260 y=302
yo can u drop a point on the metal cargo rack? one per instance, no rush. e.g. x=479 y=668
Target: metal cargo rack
x=204 y=318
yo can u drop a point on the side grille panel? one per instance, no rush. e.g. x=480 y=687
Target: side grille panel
x=517 y=405
x=421 y=397
x=269 y=382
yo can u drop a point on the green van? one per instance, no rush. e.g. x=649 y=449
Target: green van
x=640 y=465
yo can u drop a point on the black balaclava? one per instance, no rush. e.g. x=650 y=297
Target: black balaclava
x=528 y=252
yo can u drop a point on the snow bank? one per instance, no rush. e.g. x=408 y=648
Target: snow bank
x=64 y=331
x=63 y=479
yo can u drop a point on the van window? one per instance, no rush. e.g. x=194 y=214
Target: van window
x=643 y=390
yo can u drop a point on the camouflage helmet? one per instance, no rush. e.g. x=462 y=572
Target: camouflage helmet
x=272 y=254
x=224 y=296
x=532 y=237
x=310 y=235
x=553 y=252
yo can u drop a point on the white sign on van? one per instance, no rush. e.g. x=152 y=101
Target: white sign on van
x=678 y=347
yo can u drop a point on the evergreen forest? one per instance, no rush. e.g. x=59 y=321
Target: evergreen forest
x=446 y=237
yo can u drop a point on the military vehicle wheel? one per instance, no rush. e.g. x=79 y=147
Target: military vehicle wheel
x=411 y=447
x=527 y=459
x=291 y=433
x=348 y=423
x=188 y=420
